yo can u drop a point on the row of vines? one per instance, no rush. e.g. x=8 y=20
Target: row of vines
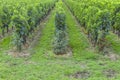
x=98 y=17
x=22 y=17
x=60 y=43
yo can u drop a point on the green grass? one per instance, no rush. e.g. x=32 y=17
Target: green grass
x=114 y=42
x=5 y=43
x=78 y=40
x=44 y=65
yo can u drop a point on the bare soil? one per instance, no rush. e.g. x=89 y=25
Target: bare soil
x=110 y=73
x=18 y=54
x=81 y=75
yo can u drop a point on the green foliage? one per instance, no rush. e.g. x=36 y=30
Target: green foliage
x=60 y=41
x=116 y=19
x=104 y=28
x=24 y=17
x=21 y=30
x=94 y=18
x=5 y=15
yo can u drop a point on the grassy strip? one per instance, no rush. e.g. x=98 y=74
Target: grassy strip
x=114 y=42
x=45 y=42
x=78 y=41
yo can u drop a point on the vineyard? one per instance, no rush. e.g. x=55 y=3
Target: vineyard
x=60 y=40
